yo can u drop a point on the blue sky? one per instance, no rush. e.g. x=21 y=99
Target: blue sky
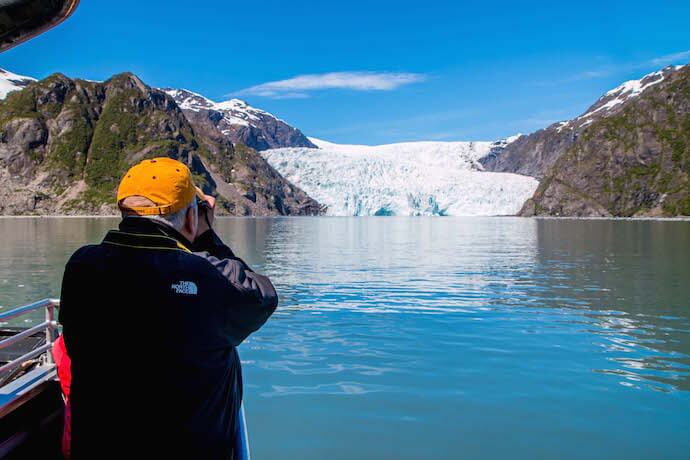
x=374 y=71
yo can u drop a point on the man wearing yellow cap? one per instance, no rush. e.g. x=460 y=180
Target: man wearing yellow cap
x=151 y=317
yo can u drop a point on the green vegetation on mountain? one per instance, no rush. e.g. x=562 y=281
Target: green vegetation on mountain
x=633 y=162
x=65 y=144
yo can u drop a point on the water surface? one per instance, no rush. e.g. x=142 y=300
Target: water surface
x=444 y=338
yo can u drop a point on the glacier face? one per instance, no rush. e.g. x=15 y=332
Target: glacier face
x=415 y=178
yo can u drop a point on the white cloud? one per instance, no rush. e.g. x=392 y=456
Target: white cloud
x=675 y=58
x=589 y=74
x=301 y=85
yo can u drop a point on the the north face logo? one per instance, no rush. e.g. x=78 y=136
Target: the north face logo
x=185 y=287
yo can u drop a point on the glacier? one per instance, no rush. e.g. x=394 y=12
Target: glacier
x=404 y=179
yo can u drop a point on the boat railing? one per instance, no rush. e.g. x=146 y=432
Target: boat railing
x=49 y=327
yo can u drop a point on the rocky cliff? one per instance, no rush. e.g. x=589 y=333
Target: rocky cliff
x=239 y=122
x=65 y=143
x=627 y=156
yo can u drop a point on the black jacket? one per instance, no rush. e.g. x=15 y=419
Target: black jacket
x=151 y=323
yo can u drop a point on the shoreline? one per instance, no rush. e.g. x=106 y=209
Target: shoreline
x=630 y=219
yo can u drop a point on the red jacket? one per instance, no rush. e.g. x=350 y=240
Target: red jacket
x=64 y=369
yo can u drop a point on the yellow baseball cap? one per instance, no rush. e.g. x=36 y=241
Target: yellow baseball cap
x=166 y=182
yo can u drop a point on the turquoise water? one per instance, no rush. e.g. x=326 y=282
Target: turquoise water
x=445 y=337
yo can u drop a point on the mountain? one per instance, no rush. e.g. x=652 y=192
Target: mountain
x=534 y=154
x=628 y=155
x=238 y=121
x=416 y=178
x=65 y=143
x=12 y=82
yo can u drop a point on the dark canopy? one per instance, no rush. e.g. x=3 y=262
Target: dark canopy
x=21 y=20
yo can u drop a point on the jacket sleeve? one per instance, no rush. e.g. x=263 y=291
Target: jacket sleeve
x=74 y=282
x=210 y=242
x=254 y=298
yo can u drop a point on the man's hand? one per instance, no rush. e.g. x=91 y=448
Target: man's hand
x=206 y=212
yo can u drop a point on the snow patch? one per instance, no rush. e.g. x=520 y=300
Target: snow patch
x=561 y=125
x=189 y=100
x=235 y=111
x=503 y=143
x=509 y=140
x=12 y=82
x=630 y=89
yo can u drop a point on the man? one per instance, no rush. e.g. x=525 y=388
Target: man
x=151 y=317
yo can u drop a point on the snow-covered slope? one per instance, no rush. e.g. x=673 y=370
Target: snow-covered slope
x=630 y=89
x=12 y=82
x=239 y=121
x=236 y=111
x=614 y=99
x=415 y=178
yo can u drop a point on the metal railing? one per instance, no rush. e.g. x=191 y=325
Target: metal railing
x=49 y=326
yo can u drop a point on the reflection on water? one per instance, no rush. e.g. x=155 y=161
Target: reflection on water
x=33 y=253
x=445 y=338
